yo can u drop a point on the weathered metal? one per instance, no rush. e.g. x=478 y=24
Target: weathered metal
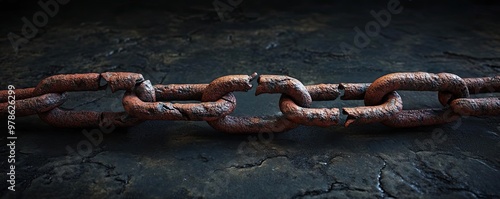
x=371 y=114
x=418 y=81
x=144 y=101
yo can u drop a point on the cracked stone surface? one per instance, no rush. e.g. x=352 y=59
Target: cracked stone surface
x=187 y=43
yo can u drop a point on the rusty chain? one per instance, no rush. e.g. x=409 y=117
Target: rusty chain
x=143 y=101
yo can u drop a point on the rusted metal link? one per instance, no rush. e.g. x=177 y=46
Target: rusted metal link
x=371 y=114
x=353 y=91
x=421 y=117
x=21 y=93
x=34 y=105
x=176 y=111
x=308 y=116
x=214 y=106
x=143 y=101
x=296 y=98
x=180 y=91
x=145 y=91
x=86 y=82
x=227 y=84
x=122 y=80
x=475 y=86
x=68 y=82
x=286 y=85
x=312 y=116
x=368 y=114
x=58 y=117
x=323 y=92
x=233 y=124
x=476 y=107
x=248 y=125
x=418 y=81
x=483 y=84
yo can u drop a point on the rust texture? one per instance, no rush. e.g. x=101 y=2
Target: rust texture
x=69 y=82
x=286 y=85
x=84 y=82
x=233 y=124
x=145 y=91
x=223 y=85
x=476 y=107
x=144 y=101
x=122 y=80
x=294 y=93
x=20 y=94
x=71 y=119
x=320 y=92
x=421 y=117
x=475 y=86
x=479 y=106
x=180 y=91
x=418 y=81
x=34 y=105
x=248 y=125
x=371 y=114
x=353 y=91
x=483 y=84
x=177 y=111
x=308 y=116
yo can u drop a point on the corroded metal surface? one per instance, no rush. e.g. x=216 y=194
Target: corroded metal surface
x=34 y=105
x=371 y=114
x=180 y=91
x=418 y=81
x=20 y=94
x=475 y=86
x=68 y=82
x=223 y=85
x=72 y=119
x=178 y=111
x=421 y=117
x=308 y=116
x=354 y=91
x=122 y=80
x=476 y=107
x=143 y=101
x=323 y=92
x=286 y=85
x=253 y=125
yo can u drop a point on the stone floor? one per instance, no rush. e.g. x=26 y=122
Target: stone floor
x=188 y=43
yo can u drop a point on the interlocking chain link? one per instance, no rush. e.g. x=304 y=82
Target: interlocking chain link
x=143 y=101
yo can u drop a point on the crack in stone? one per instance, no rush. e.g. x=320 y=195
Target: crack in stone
x=412 y=185
x=380 y=187
x=326 y=54
x=468 y=58
x=256 y=164
x=335 y=186
x=163 y=78
x=125 y=183
x=315 y=192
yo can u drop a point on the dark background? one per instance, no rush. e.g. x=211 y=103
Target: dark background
x=186 y=42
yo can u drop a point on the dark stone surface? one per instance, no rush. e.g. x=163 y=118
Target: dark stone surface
x=187 y=43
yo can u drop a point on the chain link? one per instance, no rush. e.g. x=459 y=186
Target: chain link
x=144 y=101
